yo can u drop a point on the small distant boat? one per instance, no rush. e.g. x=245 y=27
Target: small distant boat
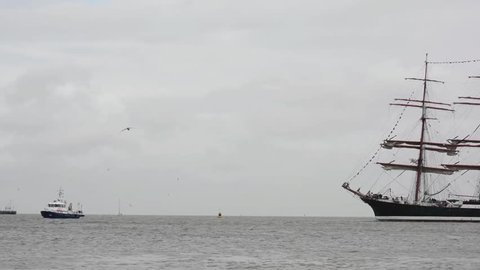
x=58 y=209
x=8 y=210
x=119 y=212
x=219 y=214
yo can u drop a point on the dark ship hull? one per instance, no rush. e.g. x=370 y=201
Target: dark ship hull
x=8 y=212
x=50 y=214
x=400 y=211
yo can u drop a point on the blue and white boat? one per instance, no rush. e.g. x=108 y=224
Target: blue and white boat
x=58 y=209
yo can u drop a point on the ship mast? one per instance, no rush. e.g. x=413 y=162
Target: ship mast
x=422 y=134
x=450 y=148
x=422 y=145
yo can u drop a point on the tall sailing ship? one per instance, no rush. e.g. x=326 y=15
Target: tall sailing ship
x=432 y=196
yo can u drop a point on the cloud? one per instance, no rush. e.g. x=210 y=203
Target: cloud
x=260 y=108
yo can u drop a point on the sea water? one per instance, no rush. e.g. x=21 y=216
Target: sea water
x=201 y=242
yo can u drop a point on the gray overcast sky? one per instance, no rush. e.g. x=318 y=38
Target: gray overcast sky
x=245 y=107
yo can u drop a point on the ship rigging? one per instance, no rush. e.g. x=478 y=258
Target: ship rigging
x=423 y=204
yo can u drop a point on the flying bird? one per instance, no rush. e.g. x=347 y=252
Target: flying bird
x=126 y=129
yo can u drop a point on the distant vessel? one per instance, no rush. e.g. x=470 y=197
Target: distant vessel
x=119 y=212
x=8 y=210
x=433 y=195
x=219 y=214
x=58 y=209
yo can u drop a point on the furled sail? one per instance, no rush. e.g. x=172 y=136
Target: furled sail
x=458 y=167
x=462 y=141
x=420 y=106
x=477 y=99
x=449 y=149
x=407 y=167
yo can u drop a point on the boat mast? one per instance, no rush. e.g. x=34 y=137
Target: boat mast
x=422 y=134
x=60 y=193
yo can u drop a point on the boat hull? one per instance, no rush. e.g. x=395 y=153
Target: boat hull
x=8 y=212
x=392 y=211
x=50 y=214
